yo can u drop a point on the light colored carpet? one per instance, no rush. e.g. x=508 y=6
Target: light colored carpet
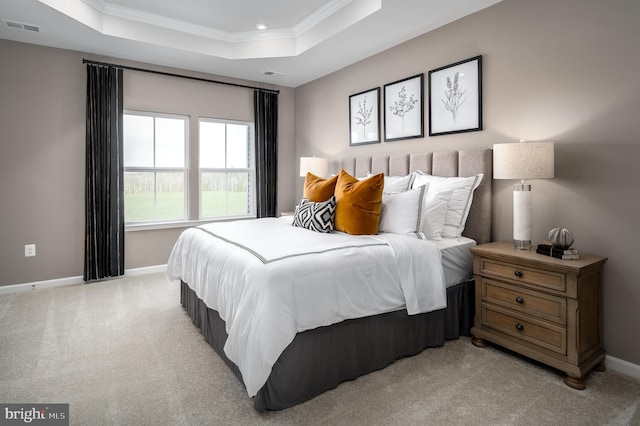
x=124 y=352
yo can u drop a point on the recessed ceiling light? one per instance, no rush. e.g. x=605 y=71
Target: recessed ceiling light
x=261 y=26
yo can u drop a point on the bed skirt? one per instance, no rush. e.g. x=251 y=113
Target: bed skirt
x=320 y=359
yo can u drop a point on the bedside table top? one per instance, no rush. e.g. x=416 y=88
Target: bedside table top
x=506 y=251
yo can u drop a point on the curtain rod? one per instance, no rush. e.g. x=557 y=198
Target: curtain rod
x=169 y=74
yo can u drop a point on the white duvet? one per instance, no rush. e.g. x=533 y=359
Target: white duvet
x=269 y=280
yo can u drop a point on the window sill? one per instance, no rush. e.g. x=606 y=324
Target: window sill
x=179 y=224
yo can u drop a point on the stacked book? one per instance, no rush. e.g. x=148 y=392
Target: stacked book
x=557 y=252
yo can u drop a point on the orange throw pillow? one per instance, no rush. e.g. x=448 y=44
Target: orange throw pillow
x=317 y=189
x=358 y=204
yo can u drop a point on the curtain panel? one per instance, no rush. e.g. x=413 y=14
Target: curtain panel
x=266 y=127
x=104 y=193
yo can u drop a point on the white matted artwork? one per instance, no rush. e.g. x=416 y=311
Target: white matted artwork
x=455 y=98
x=404 y=109
x=364 y=117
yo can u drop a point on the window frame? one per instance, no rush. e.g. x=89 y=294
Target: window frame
x=163 y=223
x=251 y=169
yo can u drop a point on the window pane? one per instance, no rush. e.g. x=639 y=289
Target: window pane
x=213 y=195
x=238 y=194
x=225 y=194
x=170 y=142
x=212 y=145
x=170 y=195
x=138 y=141
x=140 y=203
x=226 y=146
x=138 y=197
x=237 y=146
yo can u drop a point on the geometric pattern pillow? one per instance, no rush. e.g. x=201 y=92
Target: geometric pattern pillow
x=318 y=217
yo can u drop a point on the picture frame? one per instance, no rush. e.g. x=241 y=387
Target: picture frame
x=364 y=117
x=455 y=98
x=404 y=108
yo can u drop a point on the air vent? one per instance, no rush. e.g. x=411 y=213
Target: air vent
x=21 y=26
x=31 y=27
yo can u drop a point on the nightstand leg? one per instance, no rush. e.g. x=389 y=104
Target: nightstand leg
x=575 y=383
x=600 y=367
x=478 y=342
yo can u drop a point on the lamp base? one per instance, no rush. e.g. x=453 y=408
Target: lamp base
x=522 y=245
x=522 y=216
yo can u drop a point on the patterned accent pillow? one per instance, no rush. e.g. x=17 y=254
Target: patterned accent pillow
x=318 y=217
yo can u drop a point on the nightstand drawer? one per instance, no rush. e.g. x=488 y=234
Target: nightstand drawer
x=537 y=277
x=540 y=333
x=534 y=303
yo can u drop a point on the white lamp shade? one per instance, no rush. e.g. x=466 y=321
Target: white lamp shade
x=316 y=165
x=523 y=160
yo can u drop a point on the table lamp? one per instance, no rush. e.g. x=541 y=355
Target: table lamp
x=316 y=165
x=523 y=160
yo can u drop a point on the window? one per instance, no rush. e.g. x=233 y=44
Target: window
x=156 y=169
x=227 y=172
x=155 y=172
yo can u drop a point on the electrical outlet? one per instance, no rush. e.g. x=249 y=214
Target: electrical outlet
x=29 y=250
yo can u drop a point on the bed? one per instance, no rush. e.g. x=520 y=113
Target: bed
x=319 y=358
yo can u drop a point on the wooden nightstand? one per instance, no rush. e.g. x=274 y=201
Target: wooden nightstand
x=544 y=308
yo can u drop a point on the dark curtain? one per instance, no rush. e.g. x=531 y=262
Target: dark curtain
x=266 y=119
x=104 y=202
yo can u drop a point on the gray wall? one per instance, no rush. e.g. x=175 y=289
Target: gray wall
x=563 y=71
x=42 y=155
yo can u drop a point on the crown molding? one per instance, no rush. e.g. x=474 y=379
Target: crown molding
x=125 y=22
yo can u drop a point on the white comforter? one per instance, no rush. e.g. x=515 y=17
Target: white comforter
x=269 y=280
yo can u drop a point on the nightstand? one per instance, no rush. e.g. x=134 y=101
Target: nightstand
x=544 y=308
x=287 y=213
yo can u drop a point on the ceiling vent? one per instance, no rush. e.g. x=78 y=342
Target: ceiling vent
x=21 y=26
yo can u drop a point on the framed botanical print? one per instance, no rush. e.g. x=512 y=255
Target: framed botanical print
x=455 y=98
x=364 y=117
x=404 y=109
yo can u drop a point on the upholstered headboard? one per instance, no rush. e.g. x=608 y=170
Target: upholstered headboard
x=461 y=163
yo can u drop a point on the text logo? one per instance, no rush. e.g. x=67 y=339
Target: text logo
x=34 y=414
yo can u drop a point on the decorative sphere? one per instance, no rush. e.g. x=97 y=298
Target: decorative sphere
x=561 y=237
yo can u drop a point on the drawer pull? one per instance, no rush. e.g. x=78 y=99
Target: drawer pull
x=519 y=327
x=519 y=299
x=519 y=273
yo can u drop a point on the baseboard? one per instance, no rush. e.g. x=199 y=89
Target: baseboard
x=60 y=282
x=621 y=366
x=145 y=270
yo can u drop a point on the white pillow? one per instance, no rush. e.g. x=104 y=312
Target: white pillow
x=434 y=212
x=461 y=198
x=396 y=183
x=402 y=212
